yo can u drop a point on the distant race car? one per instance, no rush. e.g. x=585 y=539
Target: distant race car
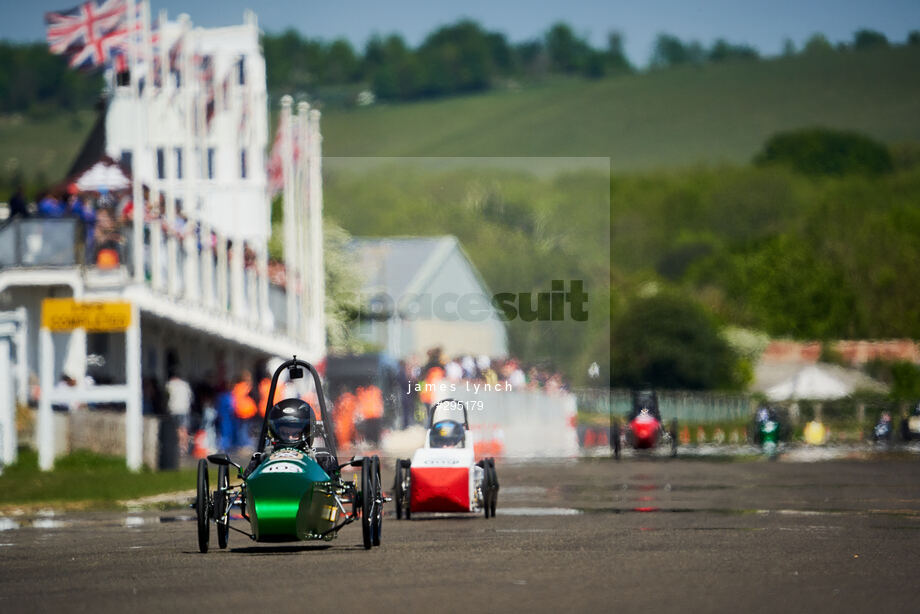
x=768 y=431
x=644 y=429
x=292 y=489
x=444 y=476
x=910 y=426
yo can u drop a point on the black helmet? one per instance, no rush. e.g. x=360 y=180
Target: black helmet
x=290 y=423
x=446 y=434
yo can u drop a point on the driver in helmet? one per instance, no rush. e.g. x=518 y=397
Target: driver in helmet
x=447 y=434
x=290 y=425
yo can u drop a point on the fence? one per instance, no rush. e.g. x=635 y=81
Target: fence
x=686 y=406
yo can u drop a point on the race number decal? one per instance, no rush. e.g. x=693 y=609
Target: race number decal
x=291 y=454
x=282 y=468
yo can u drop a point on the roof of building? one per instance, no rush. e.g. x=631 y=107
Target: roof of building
x=402 y=265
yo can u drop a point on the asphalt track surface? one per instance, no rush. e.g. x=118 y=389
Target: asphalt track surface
x=641 y=535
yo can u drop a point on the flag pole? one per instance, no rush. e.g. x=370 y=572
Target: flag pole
x=301 y=218
x=290 y=236
x=317 y=267
x=136 y=191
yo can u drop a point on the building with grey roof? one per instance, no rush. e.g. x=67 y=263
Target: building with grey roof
x=424 y=292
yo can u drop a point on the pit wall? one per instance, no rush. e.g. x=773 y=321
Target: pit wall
x=102 y=432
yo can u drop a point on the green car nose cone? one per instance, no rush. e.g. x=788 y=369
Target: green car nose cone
x=281 y=498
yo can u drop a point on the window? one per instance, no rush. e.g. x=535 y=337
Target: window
x=161 y=163
x=211 y=156
x=178 y=152
x=126 y=158
x=241 y=67
x=243 y=164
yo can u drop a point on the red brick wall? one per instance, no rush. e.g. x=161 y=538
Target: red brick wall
x=853 y=352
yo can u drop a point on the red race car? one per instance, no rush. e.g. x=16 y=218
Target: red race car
x=444 y=476
x=644 y=429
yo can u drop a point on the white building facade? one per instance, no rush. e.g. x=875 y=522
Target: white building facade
x=194 y=265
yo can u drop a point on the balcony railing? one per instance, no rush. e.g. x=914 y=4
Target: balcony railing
x=197 y=267
x=37 y=242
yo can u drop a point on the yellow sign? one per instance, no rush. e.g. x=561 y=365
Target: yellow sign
x=63 y=314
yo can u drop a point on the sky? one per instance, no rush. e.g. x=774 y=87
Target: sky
x=765 y=24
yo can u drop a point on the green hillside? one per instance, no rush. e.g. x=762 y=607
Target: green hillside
x=41 y=148
x=672 y=118
x=678 y=117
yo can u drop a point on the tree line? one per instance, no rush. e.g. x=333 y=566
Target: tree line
x=460 y=58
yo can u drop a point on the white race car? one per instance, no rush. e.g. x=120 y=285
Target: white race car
x=444 y=476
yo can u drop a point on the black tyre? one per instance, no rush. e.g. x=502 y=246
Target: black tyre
x=673 y=434
x=377 y=519
x=220 y=504
x=615 y=437
x=486 y=488
x=407 y=489
x=203 y=505
x=398 y=489
x=493 y=500
x=367 y=506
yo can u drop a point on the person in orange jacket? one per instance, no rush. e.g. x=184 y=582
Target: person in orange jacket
x=345 y=407
x=264 y=387
x=370 y=405
x=244 y=407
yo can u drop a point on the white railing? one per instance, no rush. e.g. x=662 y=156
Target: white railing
x=207 y=271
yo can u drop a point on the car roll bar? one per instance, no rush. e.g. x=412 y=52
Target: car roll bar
x=296 y=367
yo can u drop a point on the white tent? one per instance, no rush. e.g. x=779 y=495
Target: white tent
x=811 y=382
x=103 y=177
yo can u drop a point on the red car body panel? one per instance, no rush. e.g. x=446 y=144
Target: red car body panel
x=440 y=489
x=645 y=430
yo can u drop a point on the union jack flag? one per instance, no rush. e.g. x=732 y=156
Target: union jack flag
x=88 y=32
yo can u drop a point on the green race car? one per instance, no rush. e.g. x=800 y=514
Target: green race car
x=293 y=488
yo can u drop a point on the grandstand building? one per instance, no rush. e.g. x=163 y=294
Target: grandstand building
x=184 y=131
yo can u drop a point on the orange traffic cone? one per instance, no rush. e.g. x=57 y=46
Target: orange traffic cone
x=685 y=435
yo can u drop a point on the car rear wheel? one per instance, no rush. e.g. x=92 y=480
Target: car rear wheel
x=220 y=504
x=493 y=498
x=407 y=489
x=377 y=520
x=673 y=434
x=401 y=488
x=203 y=505
x=367 y=507
x=397 y=489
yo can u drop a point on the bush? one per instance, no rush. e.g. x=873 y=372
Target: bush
x=902 y=376
x=669 y=341
x=821 y=151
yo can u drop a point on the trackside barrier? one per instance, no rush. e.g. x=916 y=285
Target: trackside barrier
x=100 y=431
x=522 y=424
x=696 y=407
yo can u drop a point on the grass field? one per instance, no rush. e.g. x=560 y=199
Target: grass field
x=672 y=118
x=88 y=479
x=45 y=146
